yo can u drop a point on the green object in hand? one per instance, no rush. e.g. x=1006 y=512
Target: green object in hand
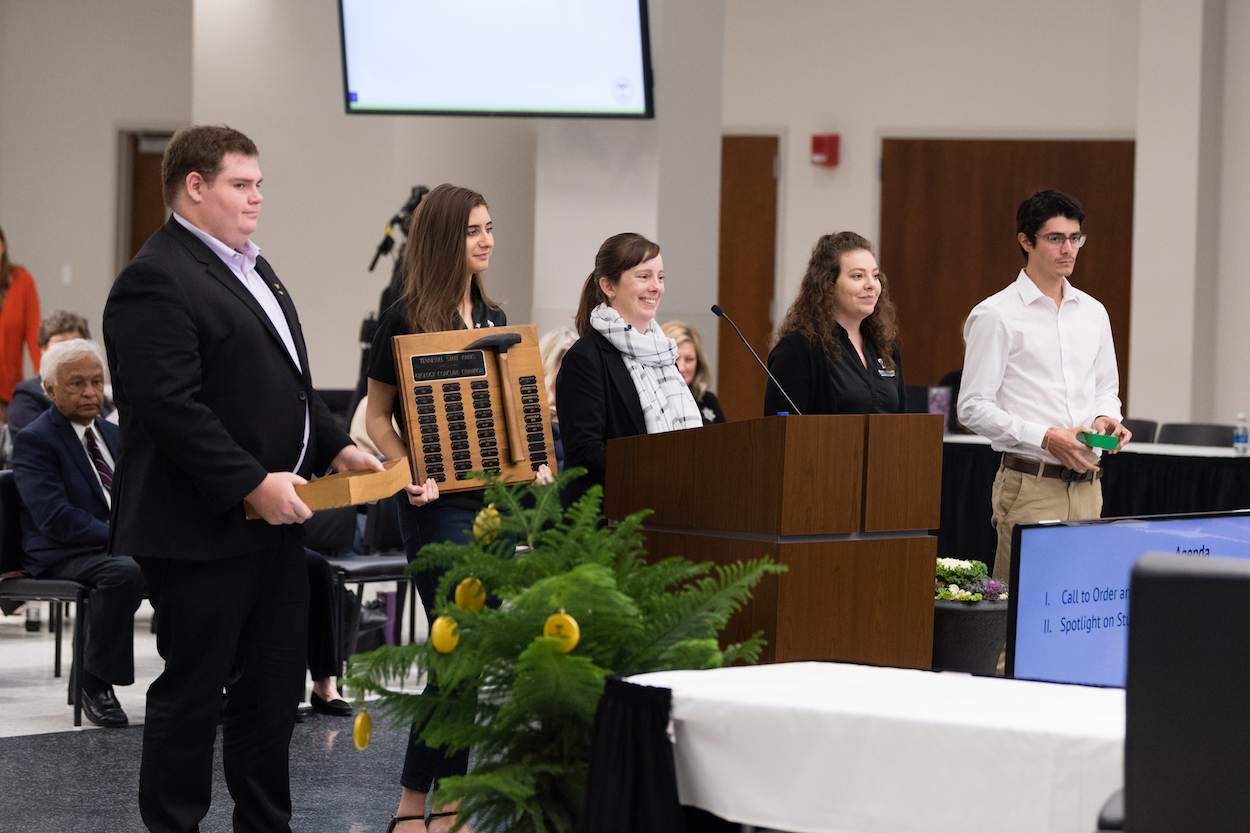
x=1097 y=440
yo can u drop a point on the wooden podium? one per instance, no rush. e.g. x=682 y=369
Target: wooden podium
x=847 y=502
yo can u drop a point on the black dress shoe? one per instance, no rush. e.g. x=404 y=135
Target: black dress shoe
x=335 y=708
x=102 y=709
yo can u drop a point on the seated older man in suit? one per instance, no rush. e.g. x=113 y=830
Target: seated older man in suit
x=63 y=467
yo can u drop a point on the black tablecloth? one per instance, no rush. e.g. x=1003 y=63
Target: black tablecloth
x=632 y=782
x=1133 y=484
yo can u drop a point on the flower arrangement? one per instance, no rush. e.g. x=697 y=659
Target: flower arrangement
x=966 y=581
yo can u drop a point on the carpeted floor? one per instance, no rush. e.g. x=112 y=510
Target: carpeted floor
x=86 y=782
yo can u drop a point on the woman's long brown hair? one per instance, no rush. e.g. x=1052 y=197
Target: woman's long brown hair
x=811 y=314
x=435 y=264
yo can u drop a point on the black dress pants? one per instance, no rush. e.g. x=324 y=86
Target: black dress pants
x=116 y=592
x=323 y=617
x=238 y=623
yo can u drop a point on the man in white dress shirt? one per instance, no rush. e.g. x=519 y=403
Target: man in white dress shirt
x=1039 y=368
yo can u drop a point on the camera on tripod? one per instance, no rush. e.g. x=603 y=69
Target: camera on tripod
x=369 y=327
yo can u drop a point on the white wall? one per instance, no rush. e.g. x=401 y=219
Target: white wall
x=794 y=67
x=271 y=68
x=659 y=178
x=899 y=68
x=73 y=76
x=1167 y=378
x=1229 y=308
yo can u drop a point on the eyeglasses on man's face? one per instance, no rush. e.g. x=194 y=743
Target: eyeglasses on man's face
x=1056 y=240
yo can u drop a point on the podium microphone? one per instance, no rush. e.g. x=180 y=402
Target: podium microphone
x=720 y=313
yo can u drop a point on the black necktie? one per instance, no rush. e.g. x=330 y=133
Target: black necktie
x=101 y=465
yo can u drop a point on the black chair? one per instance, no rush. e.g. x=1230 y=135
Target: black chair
x=17 y=585
x=1196 y=433
x=384 y=560
x=1143 y=429
x=1187 y=736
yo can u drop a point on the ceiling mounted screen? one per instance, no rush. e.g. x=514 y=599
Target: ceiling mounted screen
x=560 y=58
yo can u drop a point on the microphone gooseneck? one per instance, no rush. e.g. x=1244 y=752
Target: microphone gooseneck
x=720 y=313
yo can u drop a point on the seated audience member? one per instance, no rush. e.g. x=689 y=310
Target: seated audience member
x=953 y=380
x=323 y=630
x=620 y=378
x=835 y=350
x=359 y=432
x=29 y=400
x=692 y=365
x=552 y=347
x=63 y=467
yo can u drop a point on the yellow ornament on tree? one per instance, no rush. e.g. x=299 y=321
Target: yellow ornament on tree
x=363 y=729
x=486 y=525
x=563 y=627
x=445 y=634
x=470 y=594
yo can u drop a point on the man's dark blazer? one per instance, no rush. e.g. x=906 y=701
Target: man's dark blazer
x=596 y=401
x=28 y=402
x=64 y=512
x=210 y=402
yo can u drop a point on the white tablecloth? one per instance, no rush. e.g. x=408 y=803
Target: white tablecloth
x=833 y=748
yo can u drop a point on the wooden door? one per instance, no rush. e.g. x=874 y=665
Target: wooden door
x=748 y=244
x=147 y=204
x=948 y=234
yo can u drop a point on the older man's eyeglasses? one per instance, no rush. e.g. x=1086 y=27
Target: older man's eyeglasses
x=1056 y=240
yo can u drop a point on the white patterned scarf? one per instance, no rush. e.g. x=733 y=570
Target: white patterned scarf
x=651 y=357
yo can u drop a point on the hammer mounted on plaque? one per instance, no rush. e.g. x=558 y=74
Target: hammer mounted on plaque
x=474 y=400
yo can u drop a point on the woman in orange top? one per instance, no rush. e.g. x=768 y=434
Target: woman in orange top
x=19 y=321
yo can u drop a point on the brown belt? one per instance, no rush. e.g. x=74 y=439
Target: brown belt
x=1023 y=464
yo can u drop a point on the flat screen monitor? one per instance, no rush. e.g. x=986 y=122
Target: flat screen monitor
x=1068 y=605
x=565 y=58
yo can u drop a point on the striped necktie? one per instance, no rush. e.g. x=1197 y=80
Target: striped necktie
x=97 y=458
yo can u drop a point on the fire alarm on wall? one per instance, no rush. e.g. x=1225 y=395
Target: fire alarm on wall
x=825 y=150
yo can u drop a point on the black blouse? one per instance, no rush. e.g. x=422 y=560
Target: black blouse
x=709 y=409
x=819 y=385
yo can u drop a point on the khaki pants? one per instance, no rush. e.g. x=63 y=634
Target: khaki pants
x=1020 y=498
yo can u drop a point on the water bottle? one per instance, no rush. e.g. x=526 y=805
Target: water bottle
x=1241 y=437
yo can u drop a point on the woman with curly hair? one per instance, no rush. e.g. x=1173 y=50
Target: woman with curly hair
x=835 y=351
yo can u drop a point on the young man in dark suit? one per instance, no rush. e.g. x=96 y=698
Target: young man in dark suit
x=62 y=465
x=210 y=374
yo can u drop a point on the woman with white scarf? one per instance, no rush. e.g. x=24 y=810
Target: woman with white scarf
x=620 y=378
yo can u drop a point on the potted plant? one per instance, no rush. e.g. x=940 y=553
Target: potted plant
x=969 y=618
x=519 y=679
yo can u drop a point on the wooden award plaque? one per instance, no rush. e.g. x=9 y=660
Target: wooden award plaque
x=474 y=400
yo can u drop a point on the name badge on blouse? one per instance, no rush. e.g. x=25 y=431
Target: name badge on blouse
x=889 y=374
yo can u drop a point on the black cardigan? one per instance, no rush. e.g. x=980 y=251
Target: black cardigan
x=820 y=386
x=596 y=401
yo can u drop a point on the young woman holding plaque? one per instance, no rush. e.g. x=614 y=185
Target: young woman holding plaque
x=620 y=378
x=450 y=240
x=835 y=351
